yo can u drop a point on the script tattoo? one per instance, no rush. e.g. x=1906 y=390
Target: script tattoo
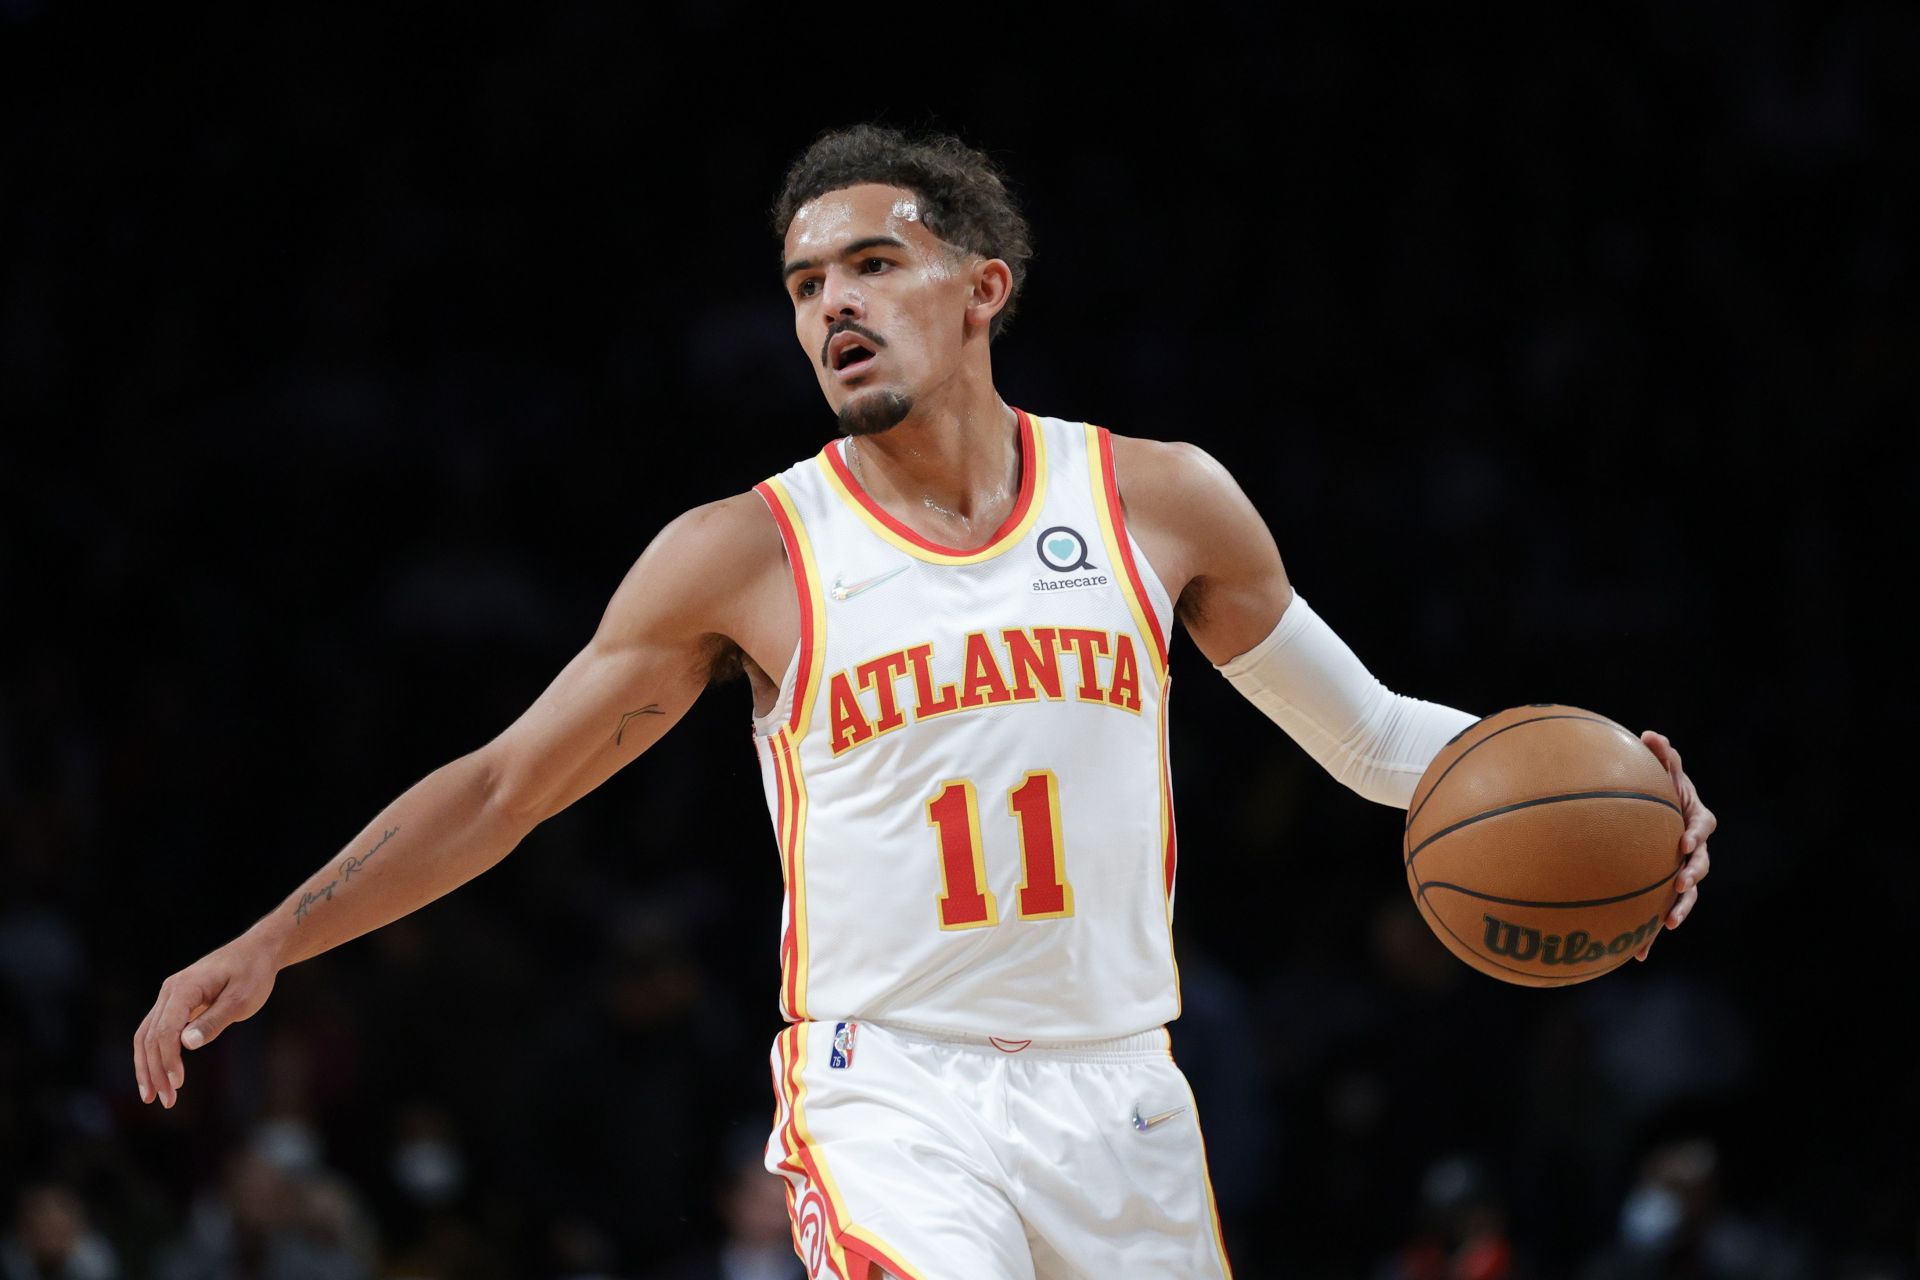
x=347 y=870
x=352 y=865
x=651 y=709
x=308 y=899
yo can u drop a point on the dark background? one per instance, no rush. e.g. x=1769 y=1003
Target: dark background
x=347 y=363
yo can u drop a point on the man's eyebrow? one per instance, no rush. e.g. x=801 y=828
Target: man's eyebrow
x=858 y=246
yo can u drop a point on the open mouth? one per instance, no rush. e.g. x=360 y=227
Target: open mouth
x=851 y=353
x=858 y=353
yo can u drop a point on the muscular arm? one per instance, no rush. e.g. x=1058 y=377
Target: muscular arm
x=1222 y=568
x=1215 y=557
x=712 y=581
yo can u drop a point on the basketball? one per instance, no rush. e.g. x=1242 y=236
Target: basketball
x=1542 y=845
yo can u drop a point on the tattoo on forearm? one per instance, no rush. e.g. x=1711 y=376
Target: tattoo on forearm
x=308 y=899
x=347 y=870
x=354 y=864
x=651 y=709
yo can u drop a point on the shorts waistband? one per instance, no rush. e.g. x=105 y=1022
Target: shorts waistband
x=1139 y=1046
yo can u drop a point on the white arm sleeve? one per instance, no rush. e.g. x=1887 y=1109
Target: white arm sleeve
x=1310 y=683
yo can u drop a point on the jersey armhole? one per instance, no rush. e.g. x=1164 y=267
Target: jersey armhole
x=1125 y=553
x=802 y=679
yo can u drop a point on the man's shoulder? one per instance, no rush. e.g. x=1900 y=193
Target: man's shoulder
x=1164 y=472
x=713 y=569
x=732 y=530
x=1173 y=453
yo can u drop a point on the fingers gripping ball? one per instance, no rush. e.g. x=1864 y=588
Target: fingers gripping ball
x=1542 y=845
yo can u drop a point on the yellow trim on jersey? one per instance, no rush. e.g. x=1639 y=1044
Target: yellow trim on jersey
x=808 y=690
x=797 y=860
x=1166 y=830
x=988 y=552
x=784 y=807
x=1098 y=474
x=790 y=734
x=907 y=1270
x=797 y=1064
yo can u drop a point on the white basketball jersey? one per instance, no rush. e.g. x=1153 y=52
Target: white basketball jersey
x=967 y=762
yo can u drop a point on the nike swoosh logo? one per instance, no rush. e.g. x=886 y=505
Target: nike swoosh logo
x=1144 y=1123
x=844 y=590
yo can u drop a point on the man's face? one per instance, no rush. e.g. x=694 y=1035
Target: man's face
x=879 y=302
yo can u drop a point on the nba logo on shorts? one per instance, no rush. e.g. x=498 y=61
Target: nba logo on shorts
x=843 y=1034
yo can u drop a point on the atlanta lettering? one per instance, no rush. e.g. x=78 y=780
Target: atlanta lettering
x=1019 y=664
x=1517 y=942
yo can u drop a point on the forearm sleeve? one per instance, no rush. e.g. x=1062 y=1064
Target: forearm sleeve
x=1312 y=685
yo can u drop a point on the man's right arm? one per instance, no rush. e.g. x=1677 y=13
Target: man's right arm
x=713 y=579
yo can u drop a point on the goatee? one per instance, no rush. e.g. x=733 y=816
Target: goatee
x=870 y=415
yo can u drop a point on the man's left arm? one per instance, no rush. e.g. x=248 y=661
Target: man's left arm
x=1219 y=562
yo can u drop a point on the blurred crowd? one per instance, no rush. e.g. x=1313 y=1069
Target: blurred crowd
x=600 y=1124
x=343 y=373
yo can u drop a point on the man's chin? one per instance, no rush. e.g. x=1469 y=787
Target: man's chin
x=871 y=412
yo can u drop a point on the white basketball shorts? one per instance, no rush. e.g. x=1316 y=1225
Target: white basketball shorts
x=952 y=1157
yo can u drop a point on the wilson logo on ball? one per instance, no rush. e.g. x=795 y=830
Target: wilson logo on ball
x=1517 y=942
x=1552 y=817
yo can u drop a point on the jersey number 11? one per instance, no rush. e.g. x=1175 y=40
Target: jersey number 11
x=965 y=900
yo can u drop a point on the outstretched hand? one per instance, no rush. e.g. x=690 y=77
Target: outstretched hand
x=194 y=1006
x=1693 y=840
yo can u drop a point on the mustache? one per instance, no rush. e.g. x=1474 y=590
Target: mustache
x=849 y=326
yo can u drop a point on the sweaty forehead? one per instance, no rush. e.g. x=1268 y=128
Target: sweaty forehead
x=855 y=213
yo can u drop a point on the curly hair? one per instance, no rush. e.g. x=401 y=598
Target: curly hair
x=962 y=194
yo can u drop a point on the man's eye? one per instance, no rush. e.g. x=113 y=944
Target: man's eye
x=873 y=265
x=808 y=288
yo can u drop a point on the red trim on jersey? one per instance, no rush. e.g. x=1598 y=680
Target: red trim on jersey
x=790 y=796
x=860 y=1250
x=790 y=1161
x=803 y=1151
x=834 y=1224
x=782 y=1107
x=1012 y=522
x=1118 y=515
x=789 y=836
x=1166 y=790
x=803 y=591
x=781 y=809
x=785 y=1082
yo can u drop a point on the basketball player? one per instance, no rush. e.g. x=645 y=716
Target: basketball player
x=955 y=622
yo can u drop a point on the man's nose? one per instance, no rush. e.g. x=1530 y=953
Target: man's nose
x=842 y=299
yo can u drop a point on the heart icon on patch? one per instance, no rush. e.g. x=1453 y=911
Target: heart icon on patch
x=1062 y=549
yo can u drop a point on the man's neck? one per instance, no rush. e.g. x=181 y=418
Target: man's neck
x=951 y=472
